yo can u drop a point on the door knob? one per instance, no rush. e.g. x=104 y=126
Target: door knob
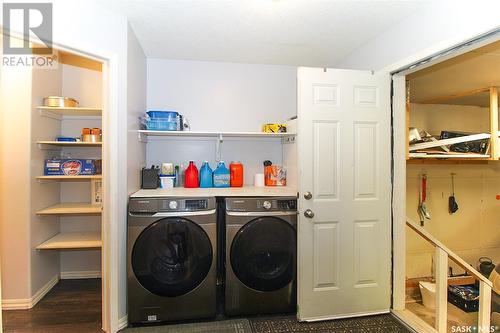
x=308 y=195
x=309 y=214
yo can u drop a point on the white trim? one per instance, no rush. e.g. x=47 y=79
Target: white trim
x=80 y=275
x=28 y=303
x=347 y=315
x=398 y=192
x=123 y=322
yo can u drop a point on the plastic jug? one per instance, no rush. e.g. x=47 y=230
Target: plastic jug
x=191 y=176
x=236 y=170
x=221 y=175
x=206 y=175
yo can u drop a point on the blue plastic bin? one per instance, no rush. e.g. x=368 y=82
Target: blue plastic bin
x=164 y=115
x=161 y=125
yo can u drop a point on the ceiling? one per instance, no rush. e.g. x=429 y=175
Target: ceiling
x=468 y=72
x=285 y=32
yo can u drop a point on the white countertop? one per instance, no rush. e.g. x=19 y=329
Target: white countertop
x=245 y=191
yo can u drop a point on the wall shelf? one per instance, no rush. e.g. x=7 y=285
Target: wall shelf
x=72 y=241
x=71 y=111
x=200 y=134
x=71 y=208
x=44 y=144
x=69 y=178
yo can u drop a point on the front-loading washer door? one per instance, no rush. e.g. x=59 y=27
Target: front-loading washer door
x=171 y=257
x=263 y=254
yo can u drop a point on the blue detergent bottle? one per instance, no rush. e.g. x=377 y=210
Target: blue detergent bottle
x=221 y=175
x=206 y=179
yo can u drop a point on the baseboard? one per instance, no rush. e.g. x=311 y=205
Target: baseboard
x=123 y=322
x=28 y=303
x=80 y=275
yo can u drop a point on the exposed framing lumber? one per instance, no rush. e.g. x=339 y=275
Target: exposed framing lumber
x=441 y=269
x=407 y=119
x=451 y=141
x=494 y=148
x=438 y=100
x=452 y=255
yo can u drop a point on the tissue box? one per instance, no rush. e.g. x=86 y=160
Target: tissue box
x=72 y=167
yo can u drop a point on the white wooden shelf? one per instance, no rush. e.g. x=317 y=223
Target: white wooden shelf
x=69 y=144
x=69 y=178
x=245 y=191
x=201 y=134
x=71 y=208
x=72 y=241
x=72 y=111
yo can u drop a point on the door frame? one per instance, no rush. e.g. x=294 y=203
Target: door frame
x=399 y=71
x=110 y=261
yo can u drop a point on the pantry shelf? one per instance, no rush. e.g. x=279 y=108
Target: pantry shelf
x=72 y=111
x=71 y=208
x=69 y=178
x=69 y=144
x=72 y=241
x=201 y=134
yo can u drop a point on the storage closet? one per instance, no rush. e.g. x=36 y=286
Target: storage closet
x=453 y=152
x=66 y=209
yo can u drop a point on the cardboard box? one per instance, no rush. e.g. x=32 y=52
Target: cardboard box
x=72 y=167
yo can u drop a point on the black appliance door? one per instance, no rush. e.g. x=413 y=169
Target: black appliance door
x=263 y=254
x=171 y=257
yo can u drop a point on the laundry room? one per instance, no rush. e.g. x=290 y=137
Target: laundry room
x=261 y=166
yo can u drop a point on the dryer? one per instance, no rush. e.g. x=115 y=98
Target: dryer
x=261 y=255
x=171 y=259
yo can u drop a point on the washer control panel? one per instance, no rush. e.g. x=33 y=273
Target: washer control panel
x=156 y=205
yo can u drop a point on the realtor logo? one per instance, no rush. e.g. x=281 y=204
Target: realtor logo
x=34 y=22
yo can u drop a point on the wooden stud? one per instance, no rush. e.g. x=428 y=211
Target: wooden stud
x=441 y=271
x=439 y=100
x=408 y=120
x=494 y=148
x=484 y=307
x=452 y=255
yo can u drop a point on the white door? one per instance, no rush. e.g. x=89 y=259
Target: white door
x=344 y=144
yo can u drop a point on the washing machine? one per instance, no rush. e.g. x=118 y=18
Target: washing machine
x=171 y=254
x=261 y=255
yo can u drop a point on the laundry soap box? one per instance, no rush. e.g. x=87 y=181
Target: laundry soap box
x=72 y=167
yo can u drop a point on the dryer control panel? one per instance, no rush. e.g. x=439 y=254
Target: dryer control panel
x=264 y=204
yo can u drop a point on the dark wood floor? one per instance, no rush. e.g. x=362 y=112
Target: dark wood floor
x=72 y=306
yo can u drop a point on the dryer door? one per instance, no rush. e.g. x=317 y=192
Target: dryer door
x=171 y=257
x=263 y=254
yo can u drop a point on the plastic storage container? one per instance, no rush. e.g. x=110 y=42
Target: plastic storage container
x=236 y=171
x=191 y=179
x=162 y=121
x=206 y=175
x=221 y=175
x=163 y=115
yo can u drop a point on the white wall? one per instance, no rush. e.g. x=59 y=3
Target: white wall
x=441 y=25
x=87 y=27
x=15 y=113
x=218 y=96
x=136 y=154
x=44 y=264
